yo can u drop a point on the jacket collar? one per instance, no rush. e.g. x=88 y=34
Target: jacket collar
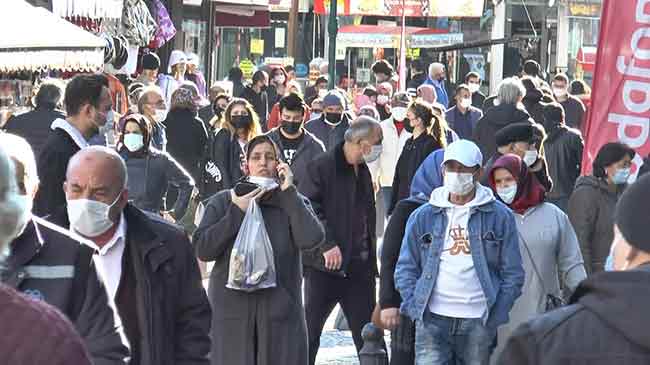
x=26 y=246
x=339 y=158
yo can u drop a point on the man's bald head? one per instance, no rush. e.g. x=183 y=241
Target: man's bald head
x=99 y=164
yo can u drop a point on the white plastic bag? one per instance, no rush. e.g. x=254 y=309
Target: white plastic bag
x=252 y=266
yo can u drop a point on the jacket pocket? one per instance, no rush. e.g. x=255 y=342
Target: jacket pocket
x=492 y=246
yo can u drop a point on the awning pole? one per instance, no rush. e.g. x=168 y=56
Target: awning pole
x=333 y=28
x=402 y=58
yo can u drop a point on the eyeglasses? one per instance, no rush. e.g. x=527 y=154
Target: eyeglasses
x=159 y=105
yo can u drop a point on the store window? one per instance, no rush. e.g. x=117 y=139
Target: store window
x=196 y=38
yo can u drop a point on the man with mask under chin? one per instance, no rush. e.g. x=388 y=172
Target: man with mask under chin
x=89 y=107
x=610 y=307
x=461 y=252
x=330 y=127
x=343 y=269
x=147 y=264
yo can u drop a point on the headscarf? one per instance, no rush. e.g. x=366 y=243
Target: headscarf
x=185 y=98
x=428 y=176
x=145 y=128
x=427 y=93
x=530 y=192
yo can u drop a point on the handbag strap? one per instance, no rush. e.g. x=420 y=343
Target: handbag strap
x=539 y=277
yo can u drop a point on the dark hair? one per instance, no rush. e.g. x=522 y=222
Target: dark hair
x=382 y=67
x=292 y=102
x=561 y=77
x=320 y=80
x=261 y=139
x=259 y=76
x=461 y=87
x=48 y=96
x=222 y=96
x=289 y=68
x=84 y=89
x=553 y=114
x=528 y=83
x=579 y=87
x=145 y=128
x=235 y=74
x=609 y=154
x=532 y=68
x=418 y=65
x=370 y=91
x=471 y=75
x=274 y=71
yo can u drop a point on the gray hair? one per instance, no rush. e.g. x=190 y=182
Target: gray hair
x=144 y=96
x=103 y=151
x=511 y=90
x=19 y=149
x=435 y=66
x=49 y=95
x=362 y=128
x=13 y=208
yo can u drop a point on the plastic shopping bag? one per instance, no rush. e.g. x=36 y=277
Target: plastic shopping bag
x=252 y=266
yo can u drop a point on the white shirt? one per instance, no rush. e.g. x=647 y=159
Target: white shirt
x=72 y=131
x=383 y=170
x=108 y=259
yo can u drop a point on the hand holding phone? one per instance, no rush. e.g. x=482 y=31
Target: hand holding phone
x=285 y=175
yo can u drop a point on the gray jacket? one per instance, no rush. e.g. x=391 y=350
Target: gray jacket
x=329 y=135
x=48 y=264
x=310 y=147
x=278 y=312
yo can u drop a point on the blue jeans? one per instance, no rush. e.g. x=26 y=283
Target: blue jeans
x=443 y=340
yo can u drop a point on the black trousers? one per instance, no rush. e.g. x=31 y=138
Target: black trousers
x=355 y=293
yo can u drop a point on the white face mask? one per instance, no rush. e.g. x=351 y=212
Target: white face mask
x=474 y=88
x=559 y=92
x=89 y=217
x=160 y=115
x=133 y=141
x=399 y=113
x=466 y=103
x=374 y=154
x=382 y=99
x=508 y=193
x=322 y=93
x=530 y=157
x=16 y=213
x=265 y=182
x=459 y=183
x=279 y=79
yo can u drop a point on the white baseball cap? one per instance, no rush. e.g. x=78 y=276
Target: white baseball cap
x=193 y=59
x=175 y=58
x=465 y=152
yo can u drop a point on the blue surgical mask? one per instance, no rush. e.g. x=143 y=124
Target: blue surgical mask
x=609 y=263
x=621 y=176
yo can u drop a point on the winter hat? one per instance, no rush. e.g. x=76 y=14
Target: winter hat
x=333 y=98
x=632 y=216
x=516 y=132
x=175 y=58
x=150 y=61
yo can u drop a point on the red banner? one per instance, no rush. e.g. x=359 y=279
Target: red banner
x=620 y=107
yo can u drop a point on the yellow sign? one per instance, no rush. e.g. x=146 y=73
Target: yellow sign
x=413 y=53
x=257 y=46
x=247 y=67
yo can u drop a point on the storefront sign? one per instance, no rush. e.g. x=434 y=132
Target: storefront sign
x=283 y=6
x=622 y=112
x=280 y=61
x=363 y=75
x=340 y=53
x=413 y=53
x=584 y=9
x=302 y=70
x=279 y=37
x=247 y=68
x=411 y=8
x=257 y=46
x=476 y=63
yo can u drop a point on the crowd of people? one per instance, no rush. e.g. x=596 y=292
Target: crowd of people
x=488 y=223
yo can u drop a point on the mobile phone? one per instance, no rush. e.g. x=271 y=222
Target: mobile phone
x=244 y=187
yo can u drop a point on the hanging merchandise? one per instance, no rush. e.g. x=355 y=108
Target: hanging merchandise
x=166 y=30
x=93 y=9
x=138 y=25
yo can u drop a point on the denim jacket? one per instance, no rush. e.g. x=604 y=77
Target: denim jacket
x=495 y=252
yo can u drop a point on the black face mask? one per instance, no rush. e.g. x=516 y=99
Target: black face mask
x=333 y=118
x=241 y=121
x=407 y=125
x=217 y=110
x=383 y=114
x=290 y=127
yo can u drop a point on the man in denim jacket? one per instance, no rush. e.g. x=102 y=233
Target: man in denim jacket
x=459 y=271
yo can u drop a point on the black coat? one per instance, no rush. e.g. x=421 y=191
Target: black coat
x=574 y=112
x=48 y=264
x=534 y=106
x=416 y=81
x=223 y=165
x=606 y=323
x=172 y=307
x=493 y=120
x=34 y=126
x=206 y=114
x=260 y=103
x=309 y=149
x=187 y=140
x=412 y=156
x=478 y=99
x=563 y=150
x=52 y=165
x=335 y=191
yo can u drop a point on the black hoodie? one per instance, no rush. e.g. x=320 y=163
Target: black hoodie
x=493 y=120
x=534 y=106
x=606 y=323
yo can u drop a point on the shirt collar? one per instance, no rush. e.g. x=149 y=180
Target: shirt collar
x=72 y=131
x=119 y=238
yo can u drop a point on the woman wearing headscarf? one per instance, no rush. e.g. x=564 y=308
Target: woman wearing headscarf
x=239 y=125
x=428 y=135
x=592 y=204
x=427 y=178
x=547 y=242
x=150 y=171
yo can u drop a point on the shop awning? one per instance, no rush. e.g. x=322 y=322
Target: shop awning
x=242 y=13
x=371 y=36
x=54 y=43
x=587 y=58
x=94 y=9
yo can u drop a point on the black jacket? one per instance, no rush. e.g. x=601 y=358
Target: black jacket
x=606 y=323
x=206 y=114
x=309 y=149
x=337 y=195
x=223 y=164
x=478 y=99
x=534 y=106
x=574 y=112
x=172 y=307
x=493 y=120
x=52 y=165
x=260 y=103
x=330 y=136
x=417 y=81
x=48 y=264
x=563 y=151
x=413 y=153
x=186 y=140
x=34 y=126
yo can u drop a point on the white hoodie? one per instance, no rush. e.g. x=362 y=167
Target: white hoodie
x=458 y=292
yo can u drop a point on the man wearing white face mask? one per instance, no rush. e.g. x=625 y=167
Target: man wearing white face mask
x=461 y=252
x=88 y=105
x=574 y=109
x=152 y=105
x=148 y=266
x=463 y=116
x=610 y=308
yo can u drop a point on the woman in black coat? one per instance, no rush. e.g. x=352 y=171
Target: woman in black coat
x=150 y=171
x=429 y=134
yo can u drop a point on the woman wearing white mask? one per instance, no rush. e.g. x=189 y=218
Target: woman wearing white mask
x=592 y=204
x=150 y=171
x=428 y=135
x=547 y=242
x=277 y=85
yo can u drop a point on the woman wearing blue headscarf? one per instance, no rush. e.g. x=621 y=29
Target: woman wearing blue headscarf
x=427 y=178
